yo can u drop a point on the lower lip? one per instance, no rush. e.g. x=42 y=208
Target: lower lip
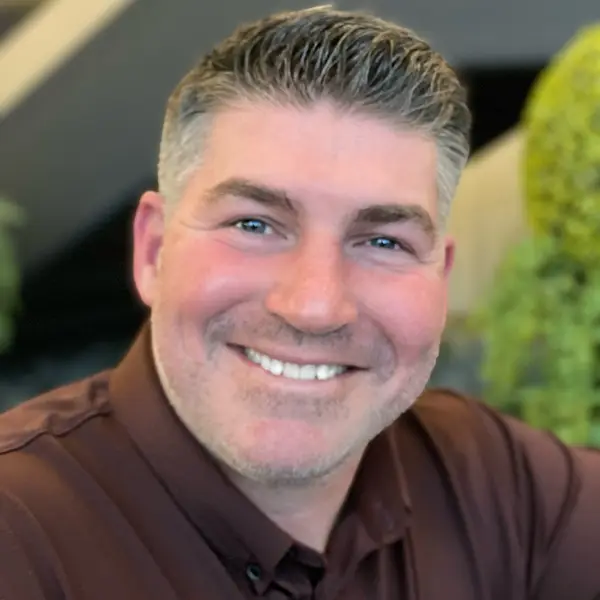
x=288 y=380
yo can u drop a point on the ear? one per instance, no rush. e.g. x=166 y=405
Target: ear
x=148 y=235
x=449 y=253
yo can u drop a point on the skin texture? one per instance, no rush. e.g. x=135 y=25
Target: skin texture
x=309 y=235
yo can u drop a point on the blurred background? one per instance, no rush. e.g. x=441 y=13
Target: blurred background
x=83 y=85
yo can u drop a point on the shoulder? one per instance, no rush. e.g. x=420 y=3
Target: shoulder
x=543 y=492
x=40 y=438
x=478 y=444
x=54 y=413
x=40 y=476
x=478 y=432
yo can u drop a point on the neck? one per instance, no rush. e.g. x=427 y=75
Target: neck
x=306 y=512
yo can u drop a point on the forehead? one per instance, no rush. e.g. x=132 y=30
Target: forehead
x=321 y=152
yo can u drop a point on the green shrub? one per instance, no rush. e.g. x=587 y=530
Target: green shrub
x=540 y=323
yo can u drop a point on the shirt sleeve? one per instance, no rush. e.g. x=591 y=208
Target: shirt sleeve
x=26 y=569
x=570 y=565
x=558 y=499
x=530 y=504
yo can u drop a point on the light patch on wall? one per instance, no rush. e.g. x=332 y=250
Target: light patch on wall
x=487 y=218
x=44 y=40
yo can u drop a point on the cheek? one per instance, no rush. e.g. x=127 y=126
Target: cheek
x=411 y=309
x=202 y=278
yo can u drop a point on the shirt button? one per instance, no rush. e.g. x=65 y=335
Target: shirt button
x=253 y=572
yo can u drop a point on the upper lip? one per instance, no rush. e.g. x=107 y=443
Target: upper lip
x=305 y=359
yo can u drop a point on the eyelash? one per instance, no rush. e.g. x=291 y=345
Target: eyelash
x=399 y=244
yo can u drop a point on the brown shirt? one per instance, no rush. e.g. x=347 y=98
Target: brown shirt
x=105 y=496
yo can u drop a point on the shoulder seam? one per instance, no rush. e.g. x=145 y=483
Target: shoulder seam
x=78 y=421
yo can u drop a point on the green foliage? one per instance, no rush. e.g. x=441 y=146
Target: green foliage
x=561 y=123
x=541 y=333
x=10 y=216
x=541 y=322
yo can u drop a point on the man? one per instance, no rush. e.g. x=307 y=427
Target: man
x=262 y=438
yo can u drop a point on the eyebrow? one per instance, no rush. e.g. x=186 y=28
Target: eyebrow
x=376 y=214
x=243 y=188
x=388 y=214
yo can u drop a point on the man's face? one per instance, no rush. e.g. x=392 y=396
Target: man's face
x=298 y=291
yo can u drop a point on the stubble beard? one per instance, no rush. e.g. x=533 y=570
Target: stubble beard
x=189 y=408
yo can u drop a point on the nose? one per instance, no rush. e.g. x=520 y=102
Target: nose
x=312 y=293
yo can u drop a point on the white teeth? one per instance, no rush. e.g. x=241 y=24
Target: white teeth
x=325 y=371
x=291 y=371
x=273 y=366
x=294 y=371
x=308 y=372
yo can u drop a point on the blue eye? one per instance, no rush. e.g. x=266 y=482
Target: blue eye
x=255 y=226
x=384 y=243
x=390 y=244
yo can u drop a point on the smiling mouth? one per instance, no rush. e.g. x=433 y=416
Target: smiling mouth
x=299 y=372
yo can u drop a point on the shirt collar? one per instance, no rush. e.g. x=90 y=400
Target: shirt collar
x=226 y=518
x=380 y=491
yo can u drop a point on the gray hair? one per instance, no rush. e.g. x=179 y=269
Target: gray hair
x=355 y=60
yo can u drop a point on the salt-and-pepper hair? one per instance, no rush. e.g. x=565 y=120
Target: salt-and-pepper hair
x=354 y=60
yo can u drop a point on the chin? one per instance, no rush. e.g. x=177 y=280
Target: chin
x=284 y=470
x=275 y=453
